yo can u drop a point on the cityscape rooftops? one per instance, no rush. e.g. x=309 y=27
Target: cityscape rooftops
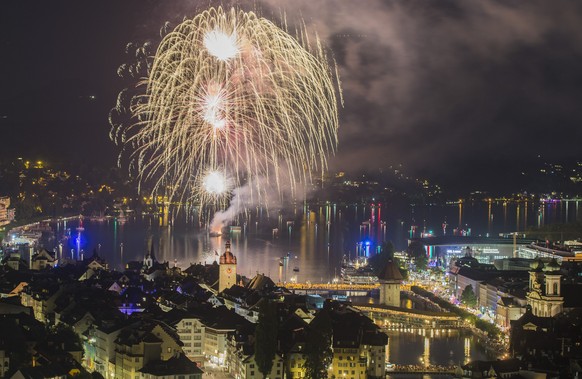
x=179 y=365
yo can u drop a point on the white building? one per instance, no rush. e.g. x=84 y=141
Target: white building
x=6 y=214
x=191 y=332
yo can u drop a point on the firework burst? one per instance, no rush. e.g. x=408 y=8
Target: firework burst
x=231 y=95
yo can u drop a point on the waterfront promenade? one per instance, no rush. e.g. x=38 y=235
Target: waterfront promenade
x=422 y=370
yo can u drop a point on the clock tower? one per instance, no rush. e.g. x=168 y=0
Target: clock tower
x=227 y=271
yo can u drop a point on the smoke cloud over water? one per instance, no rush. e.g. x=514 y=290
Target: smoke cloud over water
x=258 y=193
x=241 y=197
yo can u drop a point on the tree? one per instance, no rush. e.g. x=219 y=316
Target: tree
x=266 y=337
x=25 y=210
x=379 y=261
x=417 y=252
x=318 y=353
x=64 y=336
x=468 y=296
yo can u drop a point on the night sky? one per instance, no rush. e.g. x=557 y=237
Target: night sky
x=458 y=91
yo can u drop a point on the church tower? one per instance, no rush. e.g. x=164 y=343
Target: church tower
x=390 y=279
x=544 y=294
x=227 y=271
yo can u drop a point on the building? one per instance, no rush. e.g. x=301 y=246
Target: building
x=359 y=346
x=43 y=260
x=151 y=268
x=227 y=272
x=191 y=331
x=100 y=347
x=6 y=214
x=533 y=251
x=508 y=309
x=216 y=335
x=390 y=279
x=491 y=369
x=138 y=345
x=178 y=367
x=544 y=296
x=4 y=360
x=15 y=262
x=248 y=368
x=485 y=249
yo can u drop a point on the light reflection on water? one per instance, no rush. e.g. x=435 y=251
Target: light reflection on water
x=315 y=238
x=424 y=348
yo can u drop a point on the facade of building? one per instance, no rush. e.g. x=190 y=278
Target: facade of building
x=347 y=363
x=296 y=363
x=100 y=349
x=4 y=362
x=227 y=272
x=492 y=369
x=6 y=214
x=191 y=331
x=216 y=343
x=508 y=309
x=43 y=260
x=544 y=296
x=178 y=367
x=390 y=279
x=358 y=344
x=136 y=347
x=359 y=362
x=248 y=369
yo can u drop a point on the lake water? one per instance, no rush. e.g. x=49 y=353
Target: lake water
x=315 y=238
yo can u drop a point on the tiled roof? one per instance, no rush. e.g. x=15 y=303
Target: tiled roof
x=390 y=272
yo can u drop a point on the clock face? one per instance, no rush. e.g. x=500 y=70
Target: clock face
x=228 y=270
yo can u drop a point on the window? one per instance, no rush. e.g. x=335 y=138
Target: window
x=252 y=365
x=252 y=373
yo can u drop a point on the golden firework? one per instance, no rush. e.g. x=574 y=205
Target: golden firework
x=231 y=95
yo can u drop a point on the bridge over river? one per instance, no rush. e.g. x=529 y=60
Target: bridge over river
x=332 y=288
x=395 y=318
x=419 y=370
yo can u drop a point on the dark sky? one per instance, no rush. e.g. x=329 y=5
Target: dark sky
x=459 y=91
